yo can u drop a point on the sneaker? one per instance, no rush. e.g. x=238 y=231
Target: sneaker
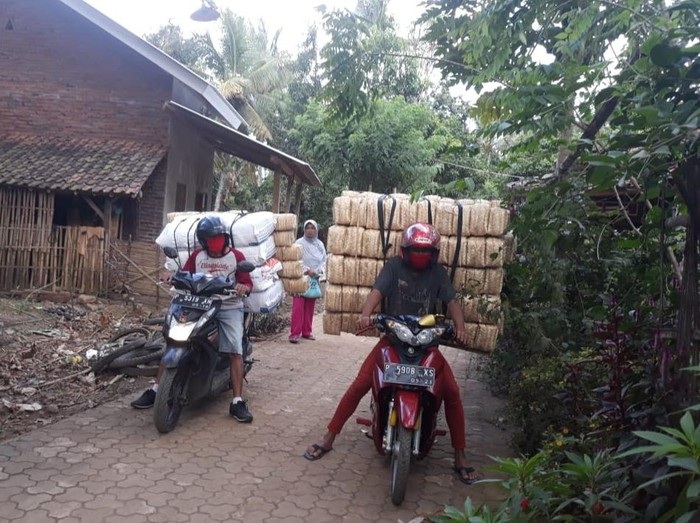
x=294 y=339
x=145 y=400
x=239 y=411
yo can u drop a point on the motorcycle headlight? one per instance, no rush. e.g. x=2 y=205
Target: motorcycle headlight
x=180 y=331
x=428 y=336
x=402 y=332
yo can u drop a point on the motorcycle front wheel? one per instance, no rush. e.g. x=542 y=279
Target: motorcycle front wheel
x=400 y=463
x=170 y=399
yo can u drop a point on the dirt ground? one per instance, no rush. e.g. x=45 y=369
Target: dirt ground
x=44 y=372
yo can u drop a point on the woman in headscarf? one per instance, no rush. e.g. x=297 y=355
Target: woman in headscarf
x=314 y=260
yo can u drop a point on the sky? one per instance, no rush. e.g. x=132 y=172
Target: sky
x=291 y=16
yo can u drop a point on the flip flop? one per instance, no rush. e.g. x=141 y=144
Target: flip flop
x=462 y=471
x=317 y=448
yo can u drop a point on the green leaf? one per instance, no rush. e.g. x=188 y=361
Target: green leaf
x=599 y=159
x=693 y=489
x=690 y=464
x=665 y=55
x=688 y=517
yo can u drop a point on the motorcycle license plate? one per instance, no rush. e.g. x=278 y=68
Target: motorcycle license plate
x=193 y=302
x=403 y=374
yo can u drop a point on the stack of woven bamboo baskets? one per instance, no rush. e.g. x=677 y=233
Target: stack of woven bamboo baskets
x=292 y=273
x=367 y=230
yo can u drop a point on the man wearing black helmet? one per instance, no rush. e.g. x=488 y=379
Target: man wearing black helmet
x=412 y=283
x=218 y=258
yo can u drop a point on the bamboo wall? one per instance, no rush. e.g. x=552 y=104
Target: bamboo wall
x=136 y=269
x=34 y=254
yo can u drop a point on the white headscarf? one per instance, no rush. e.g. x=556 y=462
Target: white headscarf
x=314 y=252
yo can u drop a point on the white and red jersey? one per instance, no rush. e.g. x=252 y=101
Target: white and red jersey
x=200 y=261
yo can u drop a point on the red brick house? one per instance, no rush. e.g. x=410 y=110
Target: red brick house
x=101 y=135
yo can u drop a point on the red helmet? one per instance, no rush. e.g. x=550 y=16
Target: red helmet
x=420 y=245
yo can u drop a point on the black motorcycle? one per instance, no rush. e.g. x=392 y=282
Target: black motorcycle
x=194 y=368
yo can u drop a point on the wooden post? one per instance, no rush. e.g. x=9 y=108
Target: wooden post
x=297 y=198
x=288 y=198
x=276 y=193
x=107 y=223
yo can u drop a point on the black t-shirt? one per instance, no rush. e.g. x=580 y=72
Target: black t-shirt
x=411 y=292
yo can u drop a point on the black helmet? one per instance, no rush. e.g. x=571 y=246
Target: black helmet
x=211 y=226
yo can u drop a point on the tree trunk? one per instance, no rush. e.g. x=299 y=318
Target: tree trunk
x=687 y=178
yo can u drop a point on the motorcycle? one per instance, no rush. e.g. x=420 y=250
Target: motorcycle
x=194 y=368
x=407 y=391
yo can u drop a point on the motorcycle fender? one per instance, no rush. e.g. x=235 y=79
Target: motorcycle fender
x=407 y=405
x=174 y=356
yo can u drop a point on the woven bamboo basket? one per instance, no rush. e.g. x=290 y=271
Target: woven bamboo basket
x=289 y=253
x=284 y=238
x=482 y=309
x=292 y=270
x=296 y=285
x=286 y=222
x=475 y=281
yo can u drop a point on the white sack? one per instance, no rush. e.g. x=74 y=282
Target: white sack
x=259 y=254
x=265 y=276
x=265 y=301
x=253 y=228
x=245 y=229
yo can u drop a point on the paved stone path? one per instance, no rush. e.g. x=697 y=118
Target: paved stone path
x=111 y=465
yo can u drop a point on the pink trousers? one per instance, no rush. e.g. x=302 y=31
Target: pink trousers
x=302 y=316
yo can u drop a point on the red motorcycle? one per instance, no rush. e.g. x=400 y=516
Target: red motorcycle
x=407 y=391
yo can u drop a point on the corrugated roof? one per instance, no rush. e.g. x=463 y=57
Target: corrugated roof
x=77 y=165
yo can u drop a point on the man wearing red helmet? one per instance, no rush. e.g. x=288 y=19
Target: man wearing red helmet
x=218 y=258
x=412 y=283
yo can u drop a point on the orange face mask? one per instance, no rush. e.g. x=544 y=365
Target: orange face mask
x=216 y=244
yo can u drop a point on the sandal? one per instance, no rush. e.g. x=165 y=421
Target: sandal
x=322 y=451
x=463 y=474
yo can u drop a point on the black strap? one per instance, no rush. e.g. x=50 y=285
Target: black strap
x=385 y=232
x=458 y=247
x=430 y=209
x=233 y=222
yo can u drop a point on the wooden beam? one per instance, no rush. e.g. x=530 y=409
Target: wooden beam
x=95 y=208
x=276 y=193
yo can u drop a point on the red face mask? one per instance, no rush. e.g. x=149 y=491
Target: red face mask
x=419 y=260
x=216 y=244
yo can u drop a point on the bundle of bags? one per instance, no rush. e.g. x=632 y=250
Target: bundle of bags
x=254 y=234
x=367 y=231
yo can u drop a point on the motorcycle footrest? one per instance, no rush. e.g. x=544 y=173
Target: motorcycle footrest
x=364 y=421
x=440 y=432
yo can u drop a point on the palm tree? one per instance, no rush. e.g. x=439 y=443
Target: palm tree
x=250 y=70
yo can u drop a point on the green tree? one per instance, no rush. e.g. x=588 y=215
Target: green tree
x=366 y=60
x=625 y=76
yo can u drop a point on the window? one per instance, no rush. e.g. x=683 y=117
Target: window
x=180 y=197
x=201 y=202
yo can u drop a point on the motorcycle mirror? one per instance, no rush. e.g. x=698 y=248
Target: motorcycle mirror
x=245 y=266
x=170 y=252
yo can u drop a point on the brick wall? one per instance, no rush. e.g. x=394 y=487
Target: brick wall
x=150 y=207
x=60 y=74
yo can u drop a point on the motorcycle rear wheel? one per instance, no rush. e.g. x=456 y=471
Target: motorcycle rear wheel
x=170 y=399
x=400 y=464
